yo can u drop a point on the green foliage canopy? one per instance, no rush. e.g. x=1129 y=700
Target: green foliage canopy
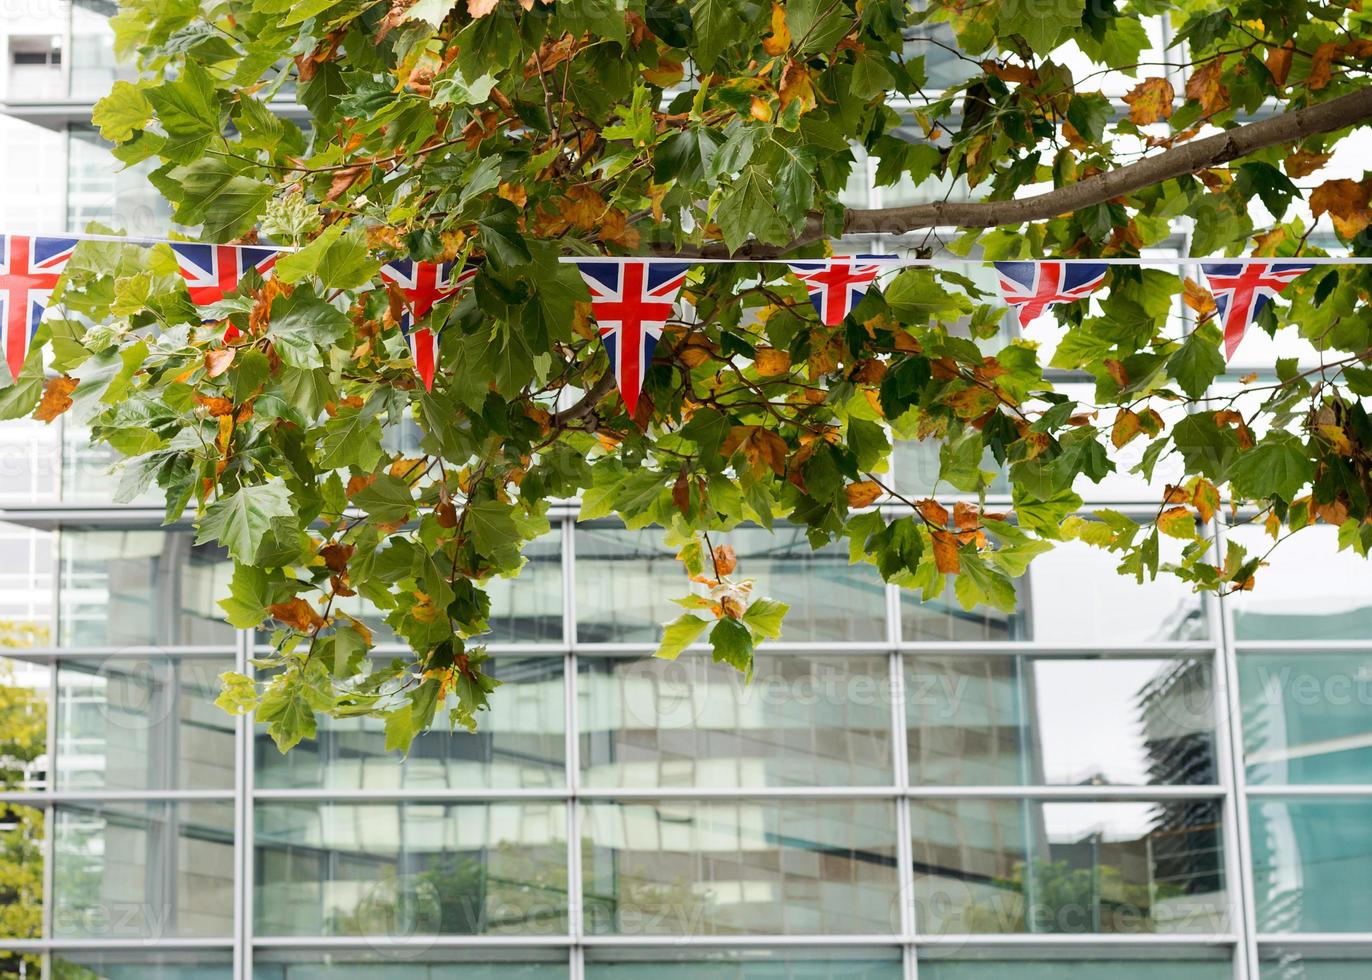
x=512 y=132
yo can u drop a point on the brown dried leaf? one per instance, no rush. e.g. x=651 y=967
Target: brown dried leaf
x=56 y=398
x=1204 y=86
x=1279 y=62
x=297 y=614
x=1197 y=297
x=1322 y=66
x=946 y=552
x=725 y=560
x=214 y=405
x=933 y=512
x=336 y=556
x=1302 y=163
x=1346 y=203
x=862 y=494
x=218 y=361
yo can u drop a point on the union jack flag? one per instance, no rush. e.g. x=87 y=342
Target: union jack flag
x=424 y=284
x=631 y=300
x=29 y=270
x=1241 y=290
x=836 y=285
x=1031 y=287
x=213 y=271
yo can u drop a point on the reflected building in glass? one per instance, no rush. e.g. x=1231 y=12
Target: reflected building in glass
x=1118 y=780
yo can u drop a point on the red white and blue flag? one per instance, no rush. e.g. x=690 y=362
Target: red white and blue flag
x=29 y=270
x=1241 y=290
x=836 y=285
x=631 y=301
x=424 y=284
x=1031 y=287
x=213 y=271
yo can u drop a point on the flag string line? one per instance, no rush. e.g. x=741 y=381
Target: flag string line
x=894 y=261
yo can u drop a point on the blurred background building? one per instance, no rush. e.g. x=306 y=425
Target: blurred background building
x=1117 y=780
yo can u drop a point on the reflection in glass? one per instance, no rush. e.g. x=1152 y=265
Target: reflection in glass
x=1007 y=866
x=23 y=745
x=410 y=964
x=1125 y=964
x=740 y=867
x=804 y=720
x=1315 y=963
x=139 y=723
x=744 y=964
x=136 y=587
x=993 y=720
x=1307 y=717
x=408 y=869
x=1288 y=603
x=626 y=580
x=529 y=609
x=1312 y=860
x=26 y=587
x=143 y=964
x=1098 y=606
x=143 y=870
x=519 y=743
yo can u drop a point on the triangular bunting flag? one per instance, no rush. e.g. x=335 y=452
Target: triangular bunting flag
x=631 y=301
x=424 y=284
x=836 y=285
x=29 y=269
x=1241 y=290
x=213 y=271
x=1031 y=287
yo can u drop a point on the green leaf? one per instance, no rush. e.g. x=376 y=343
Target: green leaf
x=732 y=643
x=717 y=25
x=303 y=326
x=816 y=25
x=218 y=197
x=249 y=597
x=748 y=209
x=764 y=617
x=241 y=520
x=188 y=110
x=338 y=257
x=121 y=112
x=387 y=499
x=679 y=634
x=1198 y=361
x=1043 y=23
x=501 y=237
x=1279 y=465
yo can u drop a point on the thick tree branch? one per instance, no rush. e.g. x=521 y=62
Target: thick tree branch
x=1189 y=158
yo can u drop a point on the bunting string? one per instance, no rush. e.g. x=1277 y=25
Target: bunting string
x=633 y=298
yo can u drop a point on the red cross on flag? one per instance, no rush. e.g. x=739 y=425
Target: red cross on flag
x=424 y=284
x=29 y=270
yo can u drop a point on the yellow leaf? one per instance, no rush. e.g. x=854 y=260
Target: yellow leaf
x=1206 y=497
x=780 y=39
x=771 y=361
x=1126 y=428
x=1177 y=522
x=56 y=398
x=1197 y=297
x=1150 y=101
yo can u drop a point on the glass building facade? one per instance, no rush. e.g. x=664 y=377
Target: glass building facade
x=1114 y=780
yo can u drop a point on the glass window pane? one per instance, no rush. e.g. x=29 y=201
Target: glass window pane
x=26 y=586
x=1307 y=716
x=142 y=588
x=407 y=869
x=528 y=609
x=1159 y=964
x=410 y=963
x=744 y=964
x=740 y=867
x=143 y=965
x=1007 y=866
x=1102 y=606
x=993 y=720
x=1288 y=603
x=141 y=723
x=1312 y=860
x=804 y=720
x=625 y=581
x=519 y=743
x=143 y=870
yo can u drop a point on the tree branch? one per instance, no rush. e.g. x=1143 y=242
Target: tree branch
x=1189 y=158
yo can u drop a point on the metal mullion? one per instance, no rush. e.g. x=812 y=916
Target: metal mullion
x=1114 y=940
x=750 y=941
x=900 y=759
x=1067 y=793
x=246 y=870
x=419 y=942
x=101 y=944
x=1246 y=958
x=117 y=796
x=242 y=907
x=1310 y=647
x=572 y=735
x=1313 y=790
